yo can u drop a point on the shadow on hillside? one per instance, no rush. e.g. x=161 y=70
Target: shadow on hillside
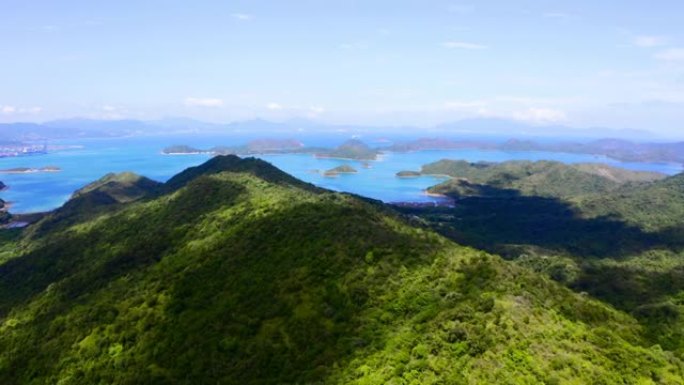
x=642 y=292
x=629 y=288
x=500 y=221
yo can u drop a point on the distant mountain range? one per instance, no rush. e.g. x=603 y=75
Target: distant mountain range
x=483 y=134
x=90 y=128
x=619 y=149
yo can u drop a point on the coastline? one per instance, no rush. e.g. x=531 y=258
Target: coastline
x=434 y=195
x=29 y=171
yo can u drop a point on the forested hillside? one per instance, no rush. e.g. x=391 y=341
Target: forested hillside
x=612 y=234
x=236 y=273
x=541 y=178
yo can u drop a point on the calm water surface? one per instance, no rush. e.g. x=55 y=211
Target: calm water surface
x=46 y=191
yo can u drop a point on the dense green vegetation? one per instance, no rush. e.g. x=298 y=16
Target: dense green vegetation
x=619 y=239
x=5 y=216
x=352 y=149
x=236 y=273
x=542 y=178
x=102 y=196
x=344 y=169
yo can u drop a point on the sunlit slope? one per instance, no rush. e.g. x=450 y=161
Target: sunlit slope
x=540 y=178
x=236 y=273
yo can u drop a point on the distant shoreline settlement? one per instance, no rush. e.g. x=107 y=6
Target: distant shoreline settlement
x=14 y=150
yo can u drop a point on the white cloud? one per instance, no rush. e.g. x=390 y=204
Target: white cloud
x=671 y=55
x=516 y=108
x=242 y=16
x=6 y=110
x=10 y=110
x=274 y=106
x=650 y=41
x=463 y=45
x=203 y=102
x=540 y=115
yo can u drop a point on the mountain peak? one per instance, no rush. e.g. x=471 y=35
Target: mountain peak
x=233 y=163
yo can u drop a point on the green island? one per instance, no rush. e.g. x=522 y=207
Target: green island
x=234 y=272
x=30 y=170
x=541 y=178
x=344 y=169
x=352 y=149
x=408 y=174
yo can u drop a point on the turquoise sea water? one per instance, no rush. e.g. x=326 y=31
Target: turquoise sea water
x=46 y=191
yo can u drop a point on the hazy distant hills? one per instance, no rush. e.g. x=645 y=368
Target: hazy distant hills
x=517 y=128
x=619 y=149
x=75 y=128
x=482 y=134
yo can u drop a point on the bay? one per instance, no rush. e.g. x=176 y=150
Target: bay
x=35 y=192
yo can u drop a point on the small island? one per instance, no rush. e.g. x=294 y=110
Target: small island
x=181 y=149
x=344 y=169
x=353 y=149
x=408 y=174
x=29 y=170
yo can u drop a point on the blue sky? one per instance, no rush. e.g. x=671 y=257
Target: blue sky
x=582 y=63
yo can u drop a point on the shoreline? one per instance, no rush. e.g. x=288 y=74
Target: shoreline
x=435 y=195
x=31 y=171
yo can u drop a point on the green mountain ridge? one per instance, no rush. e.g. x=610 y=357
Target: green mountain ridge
x=234 y=272
x=540 y=178
x=621 y=243
x=101 y=196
